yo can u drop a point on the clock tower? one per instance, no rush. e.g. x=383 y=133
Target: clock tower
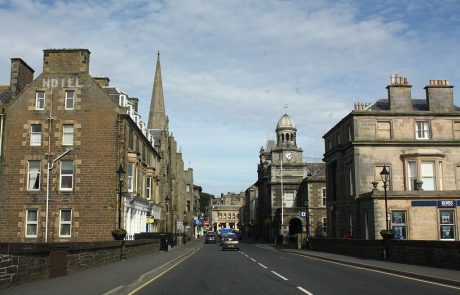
x=286 y=149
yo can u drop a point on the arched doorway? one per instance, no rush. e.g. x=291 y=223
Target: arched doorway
x=295 y=226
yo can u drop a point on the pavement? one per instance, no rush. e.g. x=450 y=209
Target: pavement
x=115 y=278
x=124 y=276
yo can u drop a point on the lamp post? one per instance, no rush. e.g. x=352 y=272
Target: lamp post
x=121 y=176
x=385 y=174
x=50 y=169
x=167 y=212
x=183 y=225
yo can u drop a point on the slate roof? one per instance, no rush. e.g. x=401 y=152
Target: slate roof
x=316 y=169
x=417 y=105
x=111 y=90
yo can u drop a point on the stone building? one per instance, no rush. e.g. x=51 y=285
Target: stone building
x=281 y=170
x=176 y=183
x=196 y=214
x=312 y=193
x=248 y=211
x=225 y=211
x=65 y=135
x=417 y=141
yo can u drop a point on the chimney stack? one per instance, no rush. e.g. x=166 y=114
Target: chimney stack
x=399 y=94
x=21 y=75
x=63 y=61
x=102 y=81
x=439 y=96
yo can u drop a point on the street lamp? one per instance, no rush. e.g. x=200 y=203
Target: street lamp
x=385 y=174
x=121 y=176
x=183 y=224
x=50 y=169
x=167 y=212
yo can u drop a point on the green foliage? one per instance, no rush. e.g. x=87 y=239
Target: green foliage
x=390 y=231
x=387 y=234
x=205 y=199
x=119 y=231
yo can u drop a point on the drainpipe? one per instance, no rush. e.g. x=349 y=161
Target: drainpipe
x=2 y=115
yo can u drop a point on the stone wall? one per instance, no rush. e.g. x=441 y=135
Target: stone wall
x=442 y=254
x=25 y=262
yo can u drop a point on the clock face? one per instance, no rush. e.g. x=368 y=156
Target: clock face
x=288 y=156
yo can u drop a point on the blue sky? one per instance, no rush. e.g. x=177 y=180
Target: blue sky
x=229 y=67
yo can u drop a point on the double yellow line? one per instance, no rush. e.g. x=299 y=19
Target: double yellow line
x=162 y=273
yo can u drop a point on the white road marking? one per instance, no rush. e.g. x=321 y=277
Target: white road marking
x=305 y=291
x=379 y=271
x=262 y=265
x=279 y=275
x=253 y=259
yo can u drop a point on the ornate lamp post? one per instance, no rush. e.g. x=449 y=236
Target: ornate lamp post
x=385 y=174
x=121 y=176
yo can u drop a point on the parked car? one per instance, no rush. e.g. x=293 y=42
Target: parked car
x=230 y=242
x=211 y=237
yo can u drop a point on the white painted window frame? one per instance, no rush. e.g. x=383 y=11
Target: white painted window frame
x=68 y=133
x=65 y=222
x=66 y=175
x=35 y=137
x=148 y=187
x=40 y=101
x=422 y=130
x=69 y=99
x=29 y=188
x=31 y=223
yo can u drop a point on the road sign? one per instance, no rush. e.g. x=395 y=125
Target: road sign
x=303 y=214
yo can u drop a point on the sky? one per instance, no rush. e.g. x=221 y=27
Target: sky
x=232 y=68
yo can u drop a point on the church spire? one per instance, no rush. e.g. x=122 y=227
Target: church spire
x=157 y=114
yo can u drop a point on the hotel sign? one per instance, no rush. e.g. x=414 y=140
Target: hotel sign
x=71 y=82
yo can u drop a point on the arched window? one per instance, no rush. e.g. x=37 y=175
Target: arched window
x=282 y=137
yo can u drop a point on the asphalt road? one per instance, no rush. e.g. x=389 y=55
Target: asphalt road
x=259 y=270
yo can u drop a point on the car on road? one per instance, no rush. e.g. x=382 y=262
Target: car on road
x=211 y=237
x=230 y=242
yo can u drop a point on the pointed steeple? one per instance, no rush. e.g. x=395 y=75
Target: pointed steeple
x=157 y=114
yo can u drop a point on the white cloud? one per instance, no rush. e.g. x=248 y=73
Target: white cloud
x=229 y=67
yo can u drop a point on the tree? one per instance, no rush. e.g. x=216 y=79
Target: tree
x=205 y=199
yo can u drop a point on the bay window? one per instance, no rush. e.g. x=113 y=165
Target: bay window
x=130 y=177
x=429 y=171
